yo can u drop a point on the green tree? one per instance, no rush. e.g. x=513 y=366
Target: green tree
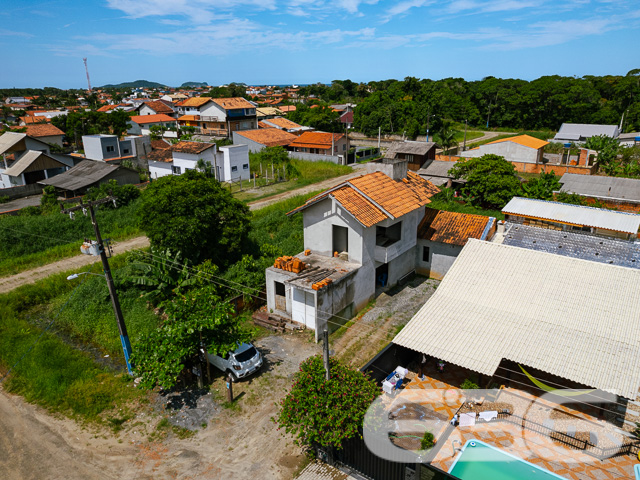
x=195 y=320
x=446 y=137
x=49 y=200
x=607 y=148
x=195 y=215
x=491 y=180
x=325 y=413
x=543 y=187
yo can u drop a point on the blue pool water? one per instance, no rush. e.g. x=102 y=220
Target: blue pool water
x=479 y=461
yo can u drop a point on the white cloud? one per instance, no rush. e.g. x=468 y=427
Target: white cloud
x=492 y=6
x=11 y=33
x=404 y=6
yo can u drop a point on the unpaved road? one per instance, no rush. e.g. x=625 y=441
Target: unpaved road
x=31 y=276
x=238 y=445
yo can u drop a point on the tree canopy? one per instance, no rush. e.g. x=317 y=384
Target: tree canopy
x=321 y=412
x=195 y=320
x=491 y=180
x=196 y=216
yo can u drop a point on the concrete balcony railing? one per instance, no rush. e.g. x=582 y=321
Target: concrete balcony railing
x=393 y=251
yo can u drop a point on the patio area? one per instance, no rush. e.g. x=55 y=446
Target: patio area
x=552 y=436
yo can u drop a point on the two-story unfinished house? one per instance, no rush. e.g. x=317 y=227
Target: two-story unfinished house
x=218 y=116
x=358 y=235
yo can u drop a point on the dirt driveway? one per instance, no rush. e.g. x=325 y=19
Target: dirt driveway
x=239 y=443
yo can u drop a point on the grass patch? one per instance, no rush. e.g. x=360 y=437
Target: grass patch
x=31 y=241
x=455 y=206
x=310 y=172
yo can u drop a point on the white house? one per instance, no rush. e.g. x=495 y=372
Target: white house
x=218 y=116
x=581 y=132
x=141 y=124
x=360 y=235
x=110 y=147
x=231 y=163
x=518 y=149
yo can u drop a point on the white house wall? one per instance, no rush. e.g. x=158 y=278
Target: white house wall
x=159 y=169
x=441 y=258
x=189 y=161
x=234 y=156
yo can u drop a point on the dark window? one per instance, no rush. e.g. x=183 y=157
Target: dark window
x=340 y=239
x=425 y=254
x=245 y=166
x=111 y=148
x=386 y=236
x=125 y=150
x=279 y=288
x=175 y=170
x=234 y=169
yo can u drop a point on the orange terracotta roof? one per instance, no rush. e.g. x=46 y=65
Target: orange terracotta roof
x=160 y=155
x=524 y=140
x=41 y=130
x=374 y=197
x=157 y=118
x=31 y=120
x=191 y=147
x=159 y=107
x=195 y=101
x=316 y=140
x=234 y=102
x=107 y=108
x=264 y=125
x=287 y=108
x=159 y=145
x=283 y=123
x=189 y=118
x=451 y=227
x=269 y=137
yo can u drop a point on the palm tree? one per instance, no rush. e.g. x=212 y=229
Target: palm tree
x=446 y=137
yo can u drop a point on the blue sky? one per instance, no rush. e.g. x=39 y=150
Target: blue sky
x=303 y=41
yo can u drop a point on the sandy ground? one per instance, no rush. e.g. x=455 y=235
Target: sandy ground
x=240 y=443
x=35 y=274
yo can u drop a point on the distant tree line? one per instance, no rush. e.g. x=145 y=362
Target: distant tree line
x=398 y=106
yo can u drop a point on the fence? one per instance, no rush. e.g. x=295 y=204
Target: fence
x=21 y=191
x=315 y=157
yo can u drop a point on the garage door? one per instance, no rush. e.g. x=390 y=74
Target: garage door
x=303 y=308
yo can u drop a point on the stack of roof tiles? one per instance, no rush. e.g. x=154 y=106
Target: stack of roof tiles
x=289 y=264
x=321 y=284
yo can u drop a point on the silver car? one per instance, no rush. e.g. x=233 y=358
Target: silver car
x=240 y=363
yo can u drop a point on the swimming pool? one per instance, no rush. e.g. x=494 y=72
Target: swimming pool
x=479 y=461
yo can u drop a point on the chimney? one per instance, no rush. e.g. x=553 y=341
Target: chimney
x=500 y=228
x=394 y=168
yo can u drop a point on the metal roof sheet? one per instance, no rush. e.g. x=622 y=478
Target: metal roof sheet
x=409 y=147
x=574 y=214
x=585 y=130
x=9 y=140
x=28 y=159
x=437 y=168
x=82 y=175
x=569 y=317
x=600 y=186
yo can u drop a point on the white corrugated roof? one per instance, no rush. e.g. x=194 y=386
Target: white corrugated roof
x=9 y=139
x=569 y=317
x=574 y=214
x=601 y=186
x=586 y=130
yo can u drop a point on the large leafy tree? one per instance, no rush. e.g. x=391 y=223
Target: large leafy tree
x=542 y=187
x=326 y=413
x=197 y=320
x=491 y=180
x=607 y=148
x=196 y=216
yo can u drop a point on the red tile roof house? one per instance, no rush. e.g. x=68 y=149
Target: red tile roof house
x=315 y=146
x=362 y=235
x=218 y=116
x=141 y=125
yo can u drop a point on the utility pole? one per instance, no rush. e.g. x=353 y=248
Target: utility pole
x=124 y=336
x=325 y=348
x=379 y=138
x=464 y=146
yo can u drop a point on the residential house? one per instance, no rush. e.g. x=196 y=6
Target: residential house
x=575 y=218
x=613 y=192
x=141 y=125
x=437 y=172
x=90 y=173
x=263 y=137
x=156 y=107
x=263 y=113
x=174 y=97
x=502 y=308
x=108 y=148
x=284 y=124
x=26 y=160
x=347 y=119
x=359 y=235
x=526 y=153
x=416 y=153
x=320 y=146
x=45 y=132
x=218 y=116
x=442 y=235
x=630 y=139
x=30 y=120
x=229 y=163
x=287 y=108
x=581 y=132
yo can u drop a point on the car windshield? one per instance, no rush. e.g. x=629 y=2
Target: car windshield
x=246 y=355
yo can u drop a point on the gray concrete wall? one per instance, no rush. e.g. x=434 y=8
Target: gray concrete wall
x=276 y=275
x=402 y=265
x=21 y=191
x=241 y=140
x=314 y=157
x=95 y=148
x=332 y=300
x=441 y=257
x=511 y=151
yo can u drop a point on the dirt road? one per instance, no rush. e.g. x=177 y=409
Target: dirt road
x=239 y=444
x=31 y=276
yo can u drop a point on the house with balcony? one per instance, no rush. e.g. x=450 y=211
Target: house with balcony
x=218 y=116
x=359 y=236
x=142 y=124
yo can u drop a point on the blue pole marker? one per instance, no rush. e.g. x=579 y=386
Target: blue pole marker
x=126 y=348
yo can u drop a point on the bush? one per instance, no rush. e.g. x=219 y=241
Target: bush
x=469 y=385
x=428 y=441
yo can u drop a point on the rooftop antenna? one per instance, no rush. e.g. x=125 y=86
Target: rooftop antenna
x=86 y=69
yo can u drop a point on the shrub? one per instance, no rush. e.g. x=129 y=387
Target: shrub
x=428 y=441
x=469 y=385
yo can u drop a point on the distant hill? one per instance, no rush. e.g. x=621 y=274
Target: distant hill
x=136 y=84
x=194 y=84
